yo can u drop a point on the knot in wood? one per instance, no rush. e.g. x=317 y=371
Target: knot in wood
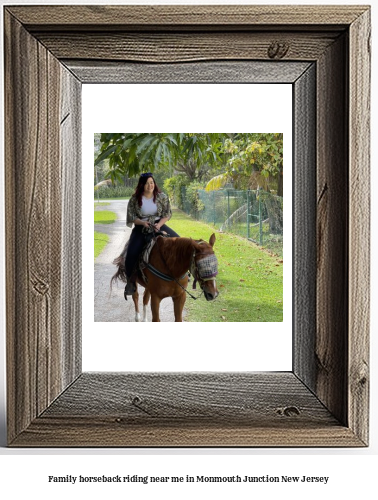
x=288 y=411
x=41 y=287
x=278 y=50
x=136 y=400
x=361 y=374
x=140 y=404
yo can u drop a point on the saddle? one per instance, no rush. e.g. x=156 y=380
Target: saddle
x=145 y=254
x=144 y=258
x=143 y=261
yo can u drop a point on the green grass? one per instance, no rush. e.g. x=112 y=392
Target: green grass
x=100 y=241
x=104 y=217
x=249 y=280
x=273 y=243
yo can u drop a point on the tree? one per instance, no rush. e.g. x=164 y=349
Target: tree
x=255 y=161
x=189 y=153
x=100 y=167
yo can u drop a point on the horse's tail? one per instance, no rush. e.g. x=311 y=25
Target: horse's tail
x=120 y=274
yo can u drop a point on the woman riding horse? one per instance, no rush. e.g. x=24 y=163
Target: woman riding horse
x=148 y=210
x=166 y=273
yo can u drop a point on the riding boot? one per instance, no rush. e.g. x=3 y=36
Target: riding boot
x=130 y=287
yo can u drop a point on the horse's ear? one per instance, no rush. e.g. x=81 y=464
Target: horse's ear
x=212 y=240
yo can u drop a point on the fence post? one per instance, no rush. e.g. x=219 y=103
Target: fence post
x=260 y=220
x=183 y=199
x=214 y=207
x=98 y=194
x=228 y=204
x=248 y=211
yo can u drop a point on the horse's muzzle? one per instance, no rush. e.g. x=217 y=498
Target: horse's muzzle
x=210 y=295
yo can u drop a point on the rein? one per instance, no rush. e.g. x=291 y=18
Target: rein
x=185 y=290
x=165 y=277
x=175 y=280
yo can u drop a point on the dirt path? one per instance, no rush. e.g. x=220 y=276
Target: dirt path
x=111 y=306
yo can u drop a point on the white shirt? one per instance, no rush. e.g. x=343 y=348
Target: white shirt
x=148 y=206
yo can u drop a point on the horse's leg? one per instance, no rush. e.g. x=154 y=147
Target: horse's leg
x=155 y=305
x=136 y=304
x=178 y=305
x=146 y=298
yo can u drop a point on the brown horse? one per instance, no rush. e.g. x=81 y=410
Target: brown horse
x=166 y=273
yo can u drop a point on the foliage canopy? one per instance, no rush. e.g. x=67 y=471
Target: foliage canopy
x=132 y=154
x=248 y=160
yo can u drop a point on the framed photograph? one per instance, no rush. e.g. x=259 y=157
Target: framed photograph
x=252 y=279
x=324 y=53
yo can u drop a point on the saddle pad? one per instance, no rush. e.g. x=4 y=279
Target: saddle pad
x=145 y=255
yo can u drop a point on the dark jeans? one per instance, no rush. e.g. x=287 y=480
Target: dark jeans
x=136 y=244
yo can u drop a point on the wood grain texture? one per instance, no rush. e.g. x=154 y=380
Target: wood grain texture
x=33 y=228
x=323 y=402
x=33 y=307
x=359 y=226
x=217 y=396
x=184 y=16
x=180 y=47
x=304 y=230
x=193 y=409
x=332 y=230
x=100 y=432
x=70 y=161
x=202 y=72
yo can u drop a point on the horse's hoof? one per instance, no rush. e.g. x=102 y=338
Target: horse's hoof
x=137 y=318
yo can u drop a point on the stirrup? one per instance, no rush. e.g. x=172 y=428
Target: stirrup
x=130 y=288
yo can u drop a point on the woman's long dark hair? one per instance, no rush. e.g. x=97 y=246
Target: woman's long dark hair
x=140 y=188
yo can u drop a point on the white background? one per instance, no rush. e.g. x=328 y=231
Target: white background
x=185 y=347
x=352 y=471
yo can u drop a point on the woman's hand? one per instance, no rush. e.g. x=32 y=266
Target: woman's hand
x=158 y=228
x=139 y=222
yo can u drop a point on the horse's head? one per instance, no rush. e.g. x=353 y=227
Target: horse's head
x=205 y=267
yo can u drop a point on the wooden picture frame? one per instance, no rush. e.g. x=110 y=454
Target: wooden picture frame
x=49 y=52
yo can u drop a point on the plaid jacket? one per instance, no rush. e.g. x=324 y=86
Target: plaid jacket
x=134 y=210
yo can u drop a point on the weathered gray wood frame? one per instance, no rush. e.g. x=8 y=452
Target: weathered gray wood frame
x=49 y=53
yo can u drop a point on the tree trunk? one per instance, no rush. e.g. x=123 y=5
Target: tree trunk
x=275 y=213
x=280 y=184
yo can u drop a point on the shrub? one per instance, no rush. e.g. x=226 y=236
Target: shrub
x=114 y=192
x=173 y=186
x=192 y=195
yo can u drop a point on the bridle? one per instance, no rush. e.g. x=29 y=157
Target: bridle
x=205 y=269
x=202 y=270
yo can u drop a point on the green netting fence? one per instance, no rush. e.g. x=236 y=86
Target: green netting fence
x=253 y=214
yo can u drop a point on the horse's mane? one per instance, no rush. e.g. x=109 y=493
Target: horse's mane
x=175 y=251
